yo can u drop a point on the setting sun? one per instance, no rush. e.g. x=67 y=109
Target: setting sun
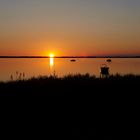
x=51 y=55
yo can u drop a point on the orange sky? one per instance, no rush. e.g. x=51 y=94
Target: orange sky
x=65 y=27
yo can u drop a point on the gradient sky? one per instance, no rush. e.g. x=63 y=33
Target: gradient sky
x=69 y=27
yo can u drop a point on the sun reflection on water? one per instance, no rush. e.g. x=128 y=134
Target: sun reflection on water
x=51 y=62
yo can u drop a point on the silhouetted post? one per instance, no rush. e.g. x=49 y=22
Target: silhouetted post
x=23 y=75
x=17 y=75
x=20 y=76
x=11 y=77
x=54 y=74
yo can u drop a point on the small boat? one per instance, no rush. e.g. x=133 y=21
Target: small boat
x=72 y=60
x=109 y=60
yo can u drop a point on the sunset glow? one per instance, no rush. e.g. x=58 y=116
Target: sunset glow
x=51 y=55
x=69 y=27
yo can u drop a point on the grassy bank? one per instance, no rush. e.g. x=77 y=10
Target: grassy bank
x=72 y=85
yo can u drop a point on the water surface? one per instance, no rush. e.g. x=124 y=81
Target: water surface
x=35 y=67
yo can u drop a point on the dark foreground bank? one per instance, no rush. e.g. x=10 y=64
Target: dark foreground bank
x=109 y=107
x=76 y=85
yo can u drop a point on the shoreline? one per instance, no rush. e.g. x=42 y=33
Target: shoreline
x=73 y=85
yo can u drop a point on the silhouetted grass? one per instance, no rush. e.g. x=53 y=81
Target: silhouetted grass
x=76 y=85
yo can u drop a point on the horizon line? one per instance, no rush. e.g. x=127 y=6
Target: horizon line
x=98 y=56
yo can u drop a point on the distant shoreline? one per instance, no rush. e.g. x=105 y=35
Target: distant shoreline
x=70 y=57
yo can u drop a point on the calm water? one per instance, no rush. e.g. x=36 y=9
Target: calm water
x=63 y=66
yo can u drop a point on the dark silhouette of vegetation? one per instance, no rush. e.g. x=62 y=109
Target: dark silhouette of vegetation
x=77 y=85
x=104 y=102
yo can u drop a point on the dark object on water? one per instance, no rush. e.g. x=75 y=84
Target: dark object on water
x=104 y=71
x=109 y=60
x=72 y=60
